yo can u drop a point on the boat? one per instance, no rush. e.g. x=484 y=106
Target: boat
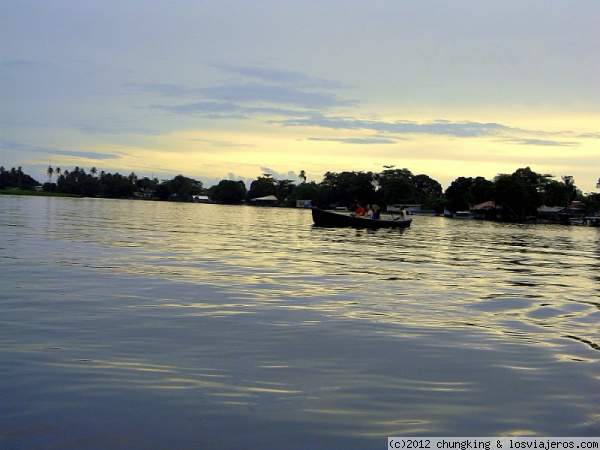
x=587 y=221
x=463 y=215
x=328 y=218
x=458 y=214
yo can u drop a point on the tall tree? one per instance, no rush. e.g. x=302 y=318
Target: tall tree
x=348 y=188
x=182 y=188
x=302 y=176
x=304 y=191
x=228 y=192
x=284 y=189
x=50 y=172
x=262 y=186
x=463 y=193
x=519 y=194
x=426 y=188
x=396 y=186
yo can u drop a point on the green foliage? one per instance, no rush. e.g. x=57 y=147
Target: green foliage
x=592 y=204
x=182 y=188
x=78 y=182
x=519 y=194
x=396 y=186
x=115 y=186
x=262 y=186
x=303 y=191
x=347 y=188
x=228 y=192
x=426 y=188
x=16 y=179
x=463 y=193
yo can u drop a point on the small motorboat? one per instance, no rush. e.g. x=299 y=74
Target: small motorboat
x=327 y=218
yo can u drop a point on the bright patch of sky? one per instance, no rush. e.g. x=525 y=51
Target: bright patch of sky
x=234 y=89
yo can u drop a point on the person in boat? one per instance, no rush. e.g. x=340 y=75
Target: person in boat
x=404 y=213
x=374 y=212
x=359 y=211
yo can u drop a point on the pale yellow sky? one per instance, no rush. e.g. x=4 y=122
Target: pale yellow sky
x=230 y=90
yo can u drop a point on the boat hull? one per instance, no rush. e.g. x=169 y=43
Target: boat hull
x=323 y=218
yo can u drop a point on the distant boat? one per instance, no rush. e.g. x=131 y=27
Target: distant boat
x=463 y=215
x=577 y=221
x=326 y=218
x=423 y=212
x=588 y=221
x=458 y=214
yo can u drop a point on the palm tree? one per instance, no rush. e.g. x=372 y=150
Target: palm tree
x=302 y=175
x=50 y=172
x=19 y=175
x=57 y=171
x=93 y=171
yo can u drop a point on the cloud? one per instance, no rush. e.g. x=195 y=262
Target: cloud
x=222 y=144
x=280 y=76
x=360 y=141
x=262 y=91
x=290 y=175
x=16 y=146
x=438 y=127
x=164 y=89
x=228 y=110
x=542 y=142
x=589 y=135
x=269 y=93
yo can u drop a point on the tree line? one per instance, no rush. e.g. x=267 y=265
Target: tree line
x=518 y=195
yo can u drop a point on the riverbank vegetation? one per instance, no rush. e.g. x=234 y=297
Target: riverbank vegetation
x=516 y=196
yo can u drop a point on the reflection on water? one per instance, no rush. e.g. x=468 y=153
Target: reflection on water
x=145 y=324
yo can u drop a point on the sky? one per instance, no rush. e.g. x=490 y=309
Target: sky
x=233 y=89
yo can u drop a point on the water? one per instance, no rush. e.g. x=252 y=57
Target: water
x=132 y=324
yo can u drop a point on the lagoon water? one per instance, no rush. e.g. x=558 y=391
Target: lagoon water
x=133 y=324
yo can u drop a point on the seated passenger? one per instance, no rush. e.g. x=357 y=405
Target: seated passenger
x=359 y=211
x=375 y=213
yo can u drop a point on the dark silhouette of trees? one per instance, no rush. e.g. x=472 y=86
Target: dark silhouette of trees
x=302 y=176
x=78 y=182
x=16 y=179
x=115 y=186
x=179 y=188
x=284 y=189
x=555 y=193
x=463 y=193
x=262 y=186
x=426 y=188
x=228 y=192
x=347 y=188
x=519 y=194
x=303 y=191
x=396 y=186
